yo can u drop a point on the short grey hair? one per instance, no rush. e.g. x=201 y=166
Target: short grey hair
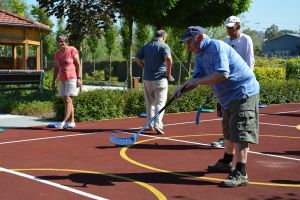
x=160 y=33
x=63 y=38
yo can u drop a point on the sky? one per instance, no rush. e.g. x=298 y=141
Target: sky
x=263 y=13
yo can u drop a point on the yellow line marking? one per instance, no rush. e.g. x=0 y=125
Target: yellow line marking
x=125 y=157
x=156 y=192
x=281 y=136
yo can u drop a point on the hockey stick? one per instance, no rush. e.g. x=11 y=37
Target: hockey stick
x=201 y=108
x=131 y=140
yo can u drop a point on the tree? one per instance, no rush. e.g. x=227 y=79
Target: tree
x=110 y=35
x=205 y=13
x=48 y=41
x=286 y=31
x=177 y=13
x=257 y=38
x=92 y=42
x=89 y=16
x=61 y=28
x=143 y=34
x=6 y=5
x=85 y=17
x=19 y=7
x=218 y=32
x=272 y=32
x=15 y=6
x=124 y=32
x=140 y=11
x=178 y=50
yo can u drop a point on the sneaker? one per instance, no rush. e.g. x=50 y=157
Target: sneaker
x=149 y=128
x=69 y=125
x=60 y=125
x=219 y=143
x=221 y=167
x=159 y=131
x=235 y=179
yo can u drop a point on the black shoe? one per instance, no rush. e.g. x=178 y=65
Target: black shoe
x=221 y=167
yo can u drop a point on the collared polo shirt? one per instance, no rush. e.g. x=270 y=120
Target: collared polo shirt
x=217 y=56
x=154 y=53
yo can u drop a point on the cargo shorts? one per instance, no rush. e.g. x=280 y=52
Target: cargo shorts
x=241 y=120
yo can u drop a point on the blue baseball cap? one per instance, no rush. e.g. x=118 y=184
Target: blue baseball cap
x=191 y=31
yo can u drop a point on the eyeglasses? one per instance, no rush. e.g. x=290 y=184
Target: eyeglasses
x=60 y=42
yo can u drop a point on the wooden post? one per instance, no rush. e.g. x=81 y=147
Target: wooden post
x=25 y=55
x=15 y=56
x=38 y=58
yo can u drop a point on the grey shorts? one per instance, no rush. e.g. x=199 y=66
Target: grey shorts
x=240 y=120
x=68 y=88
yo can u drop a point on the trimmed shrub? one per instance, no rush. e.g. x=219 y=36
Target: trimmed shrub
x=264 y=74
x=293 y=68
x=94 y=105
x=278 y=91
x=27 y=103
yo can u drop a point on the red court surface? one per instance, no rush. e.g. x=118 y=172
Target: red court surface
x=50 y=164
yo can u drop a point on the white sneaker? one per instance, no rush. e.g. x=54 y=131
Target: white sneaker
x=149 y=128
x=159 y=131
x=60 y=125
x=219 y=144
x=69 y=125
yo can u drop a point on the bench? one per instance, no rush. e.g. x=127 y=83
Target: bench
x=22 y=80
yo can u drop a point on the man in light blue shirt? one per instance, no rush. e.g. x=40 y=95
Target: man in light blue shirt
x=237 y=90
x=243 y=45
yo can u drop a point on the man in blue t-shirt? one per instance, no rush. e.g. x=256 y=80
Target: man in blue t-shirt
x=156 y=60
x=237 y=90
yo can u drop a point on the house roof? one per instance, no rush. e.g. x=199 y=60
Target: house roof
x=10 y=19
x=287 y=34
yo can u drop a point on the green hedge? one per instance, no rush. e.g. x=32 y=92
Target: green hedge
x=264 y=74
x=291 y=66
x=107 y=104
x=30 y=103
x=275 y=92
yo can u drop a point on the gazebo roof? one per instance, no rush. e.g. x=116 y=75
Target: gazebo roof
x=10 y=19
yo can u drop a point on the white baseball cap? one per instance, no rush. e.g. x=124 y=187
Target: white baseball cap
x=230 y=21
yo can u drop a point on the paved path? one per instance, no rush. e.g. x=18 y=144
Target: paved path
x=19 y=121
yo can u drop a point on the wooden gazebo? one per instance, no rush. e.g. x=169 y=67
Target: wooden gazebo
x=20 y=42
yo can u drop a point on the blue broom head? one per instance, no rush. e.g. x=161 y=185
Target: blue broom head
x=51 y=125
x=122 y=141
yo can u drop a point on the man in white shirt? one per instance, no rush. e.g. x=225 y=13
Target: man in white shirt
x=241 y=42
x=243 y=45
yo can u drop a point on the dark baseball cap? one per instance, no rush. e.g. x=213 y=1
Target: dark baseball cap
x=191 y=31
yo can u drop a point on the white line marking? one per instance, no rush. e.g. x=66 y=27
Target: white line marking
x=52 y=184
x=276 y=113
x=208 y=145
x=53 y=137
x=278 y=125
x=173 y=124
x=272 y=155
